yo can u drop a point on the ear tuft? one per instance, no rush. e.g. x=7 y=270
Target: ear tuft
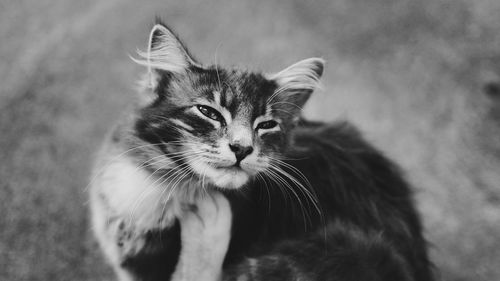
x=303 y=75
x=298 y=81
x=165 y=52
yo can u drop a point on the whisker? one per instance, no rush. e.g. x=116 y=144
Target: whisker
x=154 y=185
x=112 y=161
x=272 y=176
x=276 y=171
x=216 y=67
x=312 y=198
x=295 y=170
x=301 y=175
x=285 y=102
x=282 y=110
x=183 y=173
x=261 y=177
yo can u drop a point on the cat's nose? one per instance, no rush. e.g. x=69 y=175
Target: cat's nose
x=240 y=151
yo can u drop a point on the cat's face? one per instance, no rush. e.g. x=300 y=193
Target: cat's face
x=222 y=126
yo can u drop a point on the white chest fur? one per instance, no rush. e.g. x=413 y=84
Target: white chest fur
x=135 y=195
x=127 y=201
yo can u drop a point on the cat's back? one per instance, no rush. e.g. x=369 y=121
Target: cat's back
x=337 y=153
x=355 y=183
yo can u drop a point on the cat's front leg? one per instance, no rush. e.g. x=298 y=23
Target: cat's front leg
x=117 y=237
x=205 y=235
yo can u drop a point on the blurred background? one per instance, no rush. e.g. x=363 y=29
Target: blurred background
x=420 y=78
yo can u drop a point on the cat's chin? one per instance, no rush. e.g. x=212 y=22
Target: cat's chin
x=230 y=178
x=222 y=177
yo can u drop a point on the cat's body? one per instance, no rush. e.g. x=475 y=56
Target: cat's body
x=309 y=201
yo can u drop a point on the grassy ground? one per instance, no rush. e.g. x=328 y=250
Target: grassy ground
x=409 y=73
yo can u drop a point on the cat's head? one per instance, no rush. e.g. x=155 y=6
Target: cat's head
x=223 y=126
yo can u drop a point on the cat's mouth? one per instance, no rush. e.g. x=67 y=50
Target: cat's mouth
x=231 y=167
x=232 y=170
x=235 y=168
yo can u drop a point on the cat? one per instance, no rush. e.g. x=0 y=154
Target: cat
x=217 y=174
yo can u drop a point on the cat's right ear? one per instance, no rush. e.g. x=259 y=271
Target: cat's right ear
x=165 y=53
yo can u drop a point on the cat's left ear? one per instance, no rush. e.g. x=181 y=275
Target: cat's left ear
x=297 y=82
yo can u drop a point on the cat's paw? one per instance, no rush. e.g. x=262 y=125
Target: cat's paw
x=209 y=208
x=205 y=236
x=207 y=223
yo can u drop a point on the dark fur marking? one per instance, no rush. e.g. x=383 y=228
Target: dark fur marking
x=157 y=260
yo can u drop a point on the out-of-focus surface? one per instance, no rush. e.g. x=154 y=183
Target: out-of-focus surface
x=410 y=74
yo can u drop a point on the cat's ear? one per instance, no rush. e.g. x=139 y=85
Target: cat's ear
x=296 y=82
x=165 y=52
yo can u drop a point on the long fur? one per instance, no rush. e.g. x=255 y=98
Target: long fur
x=309 y=200
x=164 y=52
x=303 y=75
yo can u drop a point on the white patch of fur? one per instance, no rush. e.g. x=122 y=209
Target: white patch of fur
x=217 y=97
x=125 y=198
x=226 y=114
x=240 y=134
x=128 y=199
x=262 y=132
x=300 y=76
x=132 y=193
x=205 y=236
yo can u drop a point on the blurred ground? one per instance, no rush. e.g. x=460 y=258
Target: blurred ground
x=411 y=74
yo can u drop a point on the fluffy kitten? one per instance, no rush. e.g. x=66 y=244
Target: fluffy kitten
x=309 y=201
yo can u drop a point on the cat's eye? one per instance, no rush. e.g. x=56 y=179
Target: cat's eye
x=210 y=113
x=267 y=125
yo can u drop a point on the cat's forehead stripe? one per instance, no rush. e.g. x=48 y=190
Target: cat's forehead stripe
x=244 y=112
x=230 y=102
x=216 y=95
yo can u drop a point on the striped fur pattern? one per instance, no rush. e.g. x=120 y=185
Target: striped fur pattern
x=307 y=200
